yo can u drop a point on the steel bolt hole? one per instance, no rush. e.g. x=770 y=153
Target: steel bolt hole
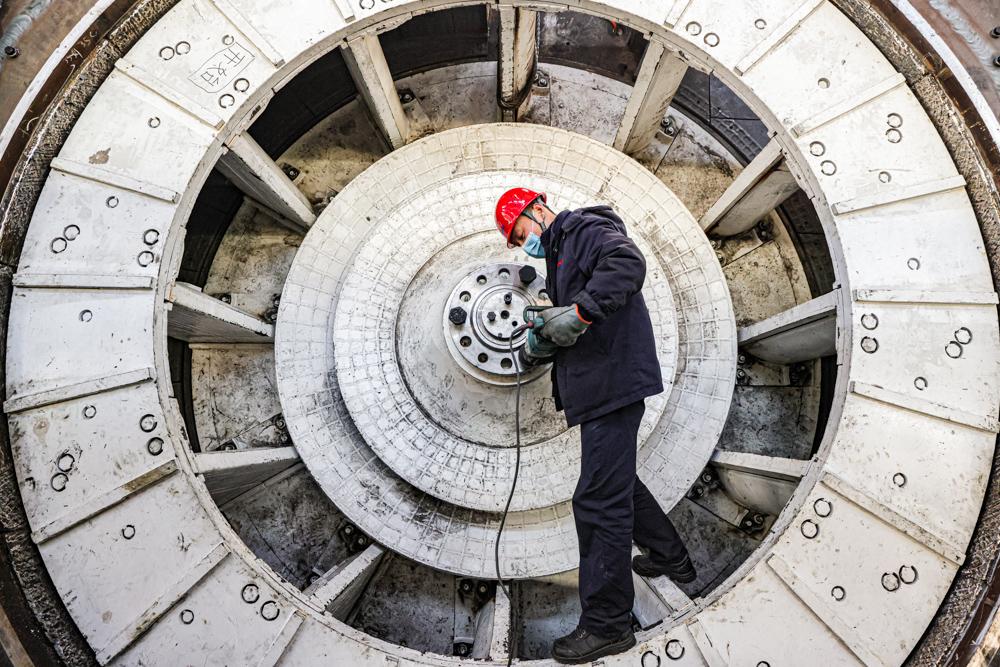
x=58 y=482
x=504 y=273
x=86 y=315
x=66 y=462
x=465 y=342
x=506 y=363
x=147 y=423
x=128 y=532
x=155 y=446
x=464 y=296
x=504 y=314
x=250 y=593
x=899 y=479
x=269 y=610
x=187 y=616
x=481 y=280
x=838 y=593
x=760 y=24
x=89 y=412
x=823 y=83
x=920 y=383
x=483 y=357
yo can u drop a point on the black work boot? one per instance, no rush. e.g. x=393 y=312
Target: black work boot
x=681 y=572
x=582 y=646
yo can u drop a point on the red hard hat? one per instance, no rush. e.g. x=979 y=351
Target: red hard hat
x=512 y=204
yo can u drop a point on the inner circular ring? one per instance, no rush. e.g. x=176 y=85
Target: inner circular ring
x=349 y=377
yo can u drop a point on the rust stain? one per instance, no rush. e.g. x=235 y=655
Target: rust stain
x=100 y=157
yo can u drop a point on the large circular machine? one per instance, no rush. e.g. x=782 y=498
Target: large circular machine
x=395 y=362
x=258 y=378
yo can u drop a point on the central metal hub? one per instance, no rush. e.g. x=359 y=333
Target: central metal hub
x=482 y=314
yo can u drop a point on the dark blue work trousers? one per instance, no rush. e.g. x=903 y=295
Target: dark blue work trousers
x=612 y=507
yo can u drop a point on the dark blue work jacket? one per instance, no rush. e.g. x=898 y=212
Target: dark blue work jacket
x=591 y=261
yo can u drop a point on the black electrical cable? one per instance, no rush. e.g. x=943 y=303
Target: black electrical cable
x=513 y=487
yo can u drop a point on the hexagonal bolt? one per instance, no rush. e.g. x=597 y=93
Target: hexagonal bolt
x=11 y=52
x=466 y=586
x=507 y=298
x=491 y=316
x=669 y=126
x=527 y=274
x=799 y=374
x=457 y=316
x=764 y=231
x=291 y=172
x=541 y=79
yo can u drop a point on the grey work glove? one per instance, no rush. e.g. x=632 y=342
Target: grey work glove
x=562 y=325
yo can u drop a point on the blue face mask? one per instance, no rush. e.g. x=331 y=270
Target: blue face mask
x=533 y=246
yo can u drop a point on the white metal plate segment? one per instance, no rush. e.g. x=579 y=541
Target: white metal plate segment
x=152 y=554
x=70 y=453
x=866 y=571
x=824 y=61
x=944 y=354
x=80 y=334
x=231 y=612
x=280 y=22
x=200 y=61
x=931 y=243
x=110 y=232
x=151 y=139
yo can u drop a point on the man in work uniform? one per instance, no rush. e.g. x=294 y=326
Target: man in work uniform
x=599 y=337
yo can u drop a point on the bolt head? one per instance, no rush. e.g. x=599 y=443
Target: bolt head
x=491 y=316
x=11 y=51
x=457 y=316
x=995 y=33
x=527 y=274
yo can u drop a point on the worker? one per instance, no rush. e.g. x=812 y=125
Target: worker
x=599 y=338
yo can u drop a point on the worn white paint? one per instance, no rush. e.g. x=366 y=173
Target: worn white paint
x=837 y=136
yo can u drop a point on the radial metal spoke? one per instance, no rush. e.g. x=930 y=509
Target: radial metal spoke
x=806 y=331
x=659 y=77
x=253 y=171
x=494 y=630
x=762 y=186
x=657 y=598
x=339 y=589
x=229 y=474
x=198 y=318
x=370 y=71
x=762 y=483
x=516 y=63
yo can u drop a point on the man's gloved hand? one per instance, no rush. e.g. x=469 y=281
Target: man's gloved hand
x=561 y=325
